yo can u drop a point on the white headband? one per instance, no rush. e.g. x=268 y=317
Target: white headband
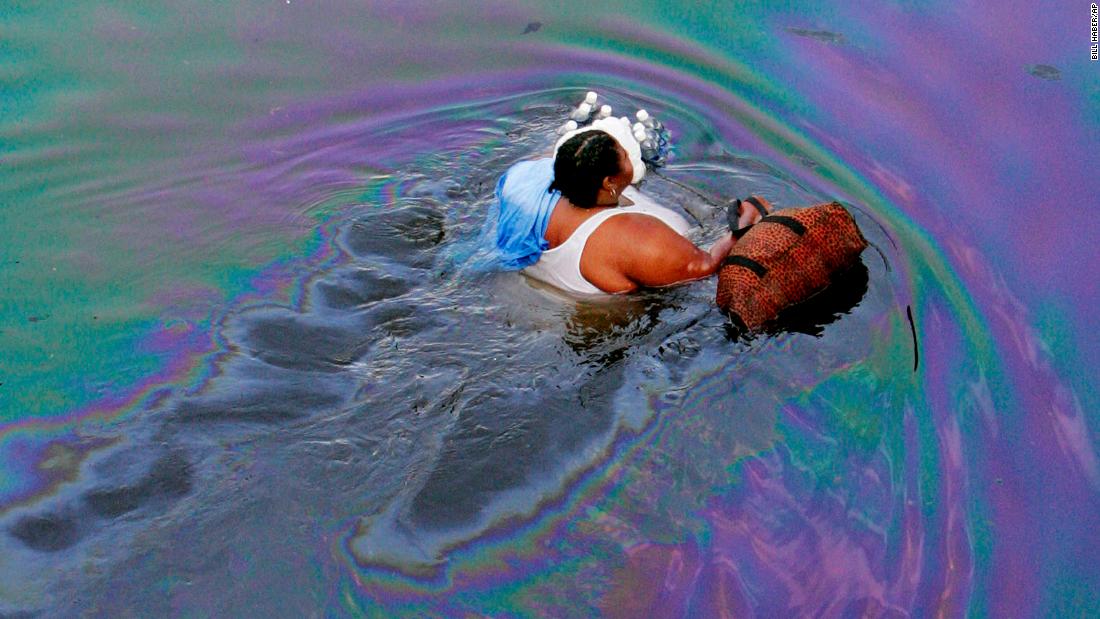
x=618 y=128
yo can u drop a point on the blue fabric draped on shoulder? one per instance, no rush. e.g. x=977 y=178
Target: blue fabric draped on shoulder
x=523 y=212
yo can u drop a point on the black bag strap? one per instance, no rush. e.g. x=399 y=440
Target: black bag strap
x=790 y=222
x=733 y=212
x=759 y=206
x=748 y=263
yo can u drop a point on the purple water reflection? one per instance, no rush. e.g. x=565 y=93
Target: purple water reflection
x=338 y=385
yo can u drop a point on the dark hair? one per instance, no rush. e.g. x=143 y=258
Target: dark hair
x=581 y=165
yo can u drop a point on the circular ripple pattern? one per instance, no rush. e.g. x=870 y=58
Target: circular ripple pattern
x=252 y=367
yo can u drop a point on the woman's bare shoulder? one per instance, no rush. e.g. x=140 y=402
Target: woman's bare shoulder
x=639 y=228
x=629 y=237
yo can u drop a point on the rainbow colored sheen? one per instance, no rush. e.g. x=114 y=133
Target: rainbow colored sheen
x=177 y=181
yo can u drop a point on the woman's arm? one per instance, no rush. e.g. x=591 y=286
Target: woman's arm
x=658 y=256
x=634 y=250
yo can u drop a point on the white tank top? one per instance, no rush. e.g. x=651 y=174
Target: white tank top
x=561 y=266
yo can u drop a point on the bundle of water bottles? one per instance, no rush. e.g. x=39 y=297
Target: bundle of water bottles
x=653 y=138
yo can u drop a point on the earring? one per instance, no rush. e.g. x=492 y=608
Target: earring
x=614 y=193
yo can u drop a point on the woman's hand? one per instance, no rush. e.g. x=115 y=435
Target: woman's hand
x=722 y=248
x=748 y=214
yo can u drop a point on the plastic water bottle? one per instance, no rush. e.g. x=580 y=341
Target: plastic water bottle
x=653 y=137
x=649 y=121
x=648 y=124
x=642 y=132
x=645 y=141
x=581 y=114
x=567 y=127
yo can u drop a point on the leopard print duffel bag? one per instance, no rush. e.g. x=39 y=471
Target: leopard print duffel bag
x=785 y=258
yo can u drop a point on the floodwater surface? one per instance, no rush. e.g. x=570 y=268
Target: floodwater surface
x=251 y=366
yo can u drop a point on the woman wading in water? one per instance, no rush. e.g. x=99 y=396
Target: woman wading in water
x=576 y=221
